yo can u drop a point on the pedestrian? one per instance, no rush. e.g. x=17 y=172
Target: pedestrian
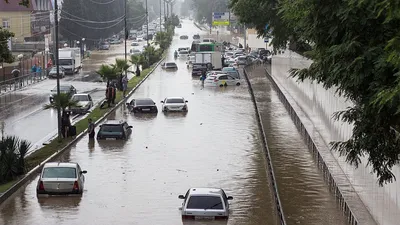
x=39 y=71
x=137 y=71
x=109 y=94
x=91 y=127
x=65 y=124
x=124 y=85
x=114 y=93
x=203 y=77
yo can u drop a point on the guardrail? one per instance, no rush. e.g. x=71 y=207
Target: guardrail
x=278 y=203
x=21 y=82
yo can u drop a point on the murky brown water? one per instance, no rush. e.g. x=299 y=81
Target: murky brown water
x=305 y=197
x=215 y=144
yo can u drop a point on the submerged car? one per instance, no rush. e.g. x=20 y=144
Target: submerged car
x=135 y=43
x=60 y=178
x=196 y=37
x=169 y=65
x=135 y=51
x=232 y=71
x=53 y=72
x=221 y=80
x=174 y=104
x=198 y=69
x=184 y=37
x=84 y=103
x=113 y=130
x=205 y=203
x=142 y=105
x=66 y=89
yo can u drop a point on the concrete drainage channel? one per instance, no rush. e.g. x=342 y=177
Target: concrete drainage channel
x=348 y=200
x=34 y=172
x=278 y=204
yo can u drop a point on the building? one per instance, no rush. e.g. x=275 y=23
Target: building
x=26 y=22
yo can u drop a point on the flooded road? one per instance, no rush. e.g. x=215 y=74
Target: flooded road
x=22 y=111
x=305 y=197
x=215 y=144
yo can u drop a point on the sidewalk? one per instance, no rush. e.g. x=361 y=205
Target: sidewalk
x=20 y=83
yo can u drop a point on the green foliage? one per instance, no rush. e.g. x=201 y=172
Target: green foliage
x=21 y=2
x=12 y=157
x=5 y=54
x=85 y=19
x=108 y=72
x=164 y=39
x=355 y=49
x=61 y=101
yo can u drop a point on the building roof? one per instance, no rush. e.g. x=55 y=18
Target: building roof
x=35 y=5
x=13 y=6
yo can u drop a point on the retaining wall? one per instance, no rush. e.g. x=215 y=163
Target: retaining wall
x=348 y=199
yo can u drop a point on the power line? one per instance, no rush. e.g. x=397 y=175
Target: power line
x=89 y=21
x=90 y=39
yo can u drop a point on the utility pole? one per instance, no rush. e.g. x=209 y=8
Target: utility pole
x=160 y=17
x=244 y=28
x=57 y=66
x=147 y=23
x=167 y=10
x=126 y=36
x=165 y=15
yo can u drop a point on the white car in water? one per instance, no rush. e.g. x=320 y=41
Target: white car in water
x=204 y=203
x=61 y=178
x=174 y=104
x=84 y=103
x=221 y=80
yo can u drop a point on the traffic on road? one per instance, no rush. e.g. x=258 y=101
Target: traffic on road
x=154 y=161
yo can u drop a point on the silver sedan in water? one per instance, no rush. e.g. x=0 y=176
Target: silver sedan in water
x=177 y=104
x=61 y=178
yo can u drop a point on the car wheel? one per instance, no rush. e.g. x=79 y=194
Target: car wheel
x=221 y=85
x=238 y=84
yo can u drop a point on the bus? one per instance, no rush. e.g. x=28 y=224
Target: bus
x=207 y=47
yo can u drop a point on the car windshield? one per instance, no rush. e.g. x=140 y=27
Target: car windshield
x=62 y=88
x=183 y=52
x=59 y=172
x=170 y=64
x=242 y=57
x=228 y=69
x=175 y=100
x=205 y=202
x=80 y=98
x=111 y=128
x=198 y=67
x=144 y=102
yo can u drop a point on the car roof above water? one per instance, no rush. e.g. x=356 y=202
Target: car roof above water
x=60 y=164
x=113 y=122
x=206 y=191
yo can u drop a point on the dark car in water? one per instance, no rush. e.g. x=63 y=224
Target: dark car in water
x=198 y=69
x=144 y=105
x=196 y=37
x=184 y=37
x=114 y=130
x=65 y=89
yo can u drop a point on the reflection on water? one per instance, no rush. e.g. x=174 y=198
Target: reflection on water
x=112 y=145
x=304 y=195
x=144 y=116
x=59 y=202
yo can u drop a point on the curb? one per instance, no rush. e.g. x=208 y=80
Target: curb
x=348 y=199
x=278 y=203
x=33 y=172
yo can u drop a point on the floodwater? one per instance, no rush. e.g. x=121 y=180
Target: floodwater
x=22 y=110
x=138 y=181
x=305 y=197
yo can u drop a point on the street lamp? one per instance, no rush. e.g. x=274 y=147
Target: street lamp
x=19 y=57
x=65 y=45
x=83 y=48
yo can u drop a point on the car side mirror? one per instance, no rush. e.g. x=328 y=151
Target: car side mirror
x=130 y=127
x=186 y=101
x=181 y=197
x=162 y=101
x=230 y=198
x=84 y=172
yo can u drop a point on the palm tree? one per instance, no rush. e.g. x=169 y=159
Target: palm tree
x=12 y=157
x=121 y=65
x=108 y=72
x=63 y=102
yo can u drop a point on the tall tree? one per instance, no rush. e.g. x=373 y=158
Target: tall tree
x=356 y=49
x=5 y=54
x=205 y=8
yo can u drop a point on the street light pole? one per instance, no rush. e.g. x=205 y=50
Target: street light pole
x=147 y=23
x=57 y=66
x=160 y=16
x=125 y=36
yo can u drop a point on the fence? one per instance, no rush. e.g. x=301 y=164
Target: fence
x=21 y=81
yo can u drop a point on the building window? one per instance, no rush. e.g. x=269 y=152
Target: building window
x=6 y=23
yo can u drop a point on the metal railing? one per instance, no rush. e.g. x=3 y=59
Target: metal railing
x=22 y=81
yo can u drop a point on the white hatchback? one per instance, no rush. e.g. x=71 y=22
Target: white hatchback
x=205 y=203
x=221 y=80
x=174 y=104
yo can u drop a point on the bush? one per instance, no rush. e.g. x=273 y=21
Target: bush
x=12 y=157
